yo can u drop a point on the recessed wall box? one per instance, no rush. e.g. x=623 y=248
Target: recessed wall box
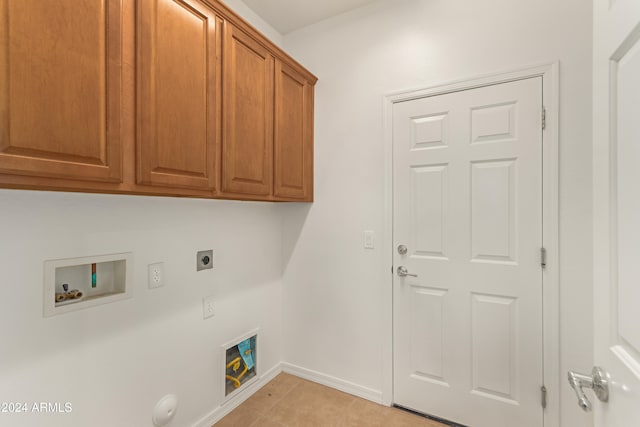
x=240 y=363
x=74 y=283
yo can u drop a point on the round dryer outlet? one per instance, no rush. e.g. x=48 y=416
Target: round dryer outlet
x=204 y=260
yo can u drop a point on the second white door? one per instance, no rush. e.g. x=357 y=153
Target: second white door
x=468 y=208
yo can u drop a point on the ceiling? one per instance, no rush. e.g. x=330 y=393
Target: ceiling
x=288 y=15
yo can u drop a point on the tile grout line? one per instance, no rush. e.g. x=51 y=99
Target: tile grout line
x=348 y=409
x=265 y=412
x=283 y=396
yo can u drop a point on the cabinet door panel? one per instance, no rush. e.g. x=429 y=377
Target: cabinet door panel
x=247 y=150
x=293 y=144
x=60 y=89
x=178 y=92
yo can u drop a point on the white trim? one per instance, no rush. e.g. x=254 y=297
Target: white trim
x=229 y=405
x=387 y=251
x=551 y=293
x=465 y=84
x=333 y=382
x=551 y=241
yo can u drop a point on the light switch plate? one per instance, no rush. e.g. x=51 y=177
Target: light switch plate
x=369 y=239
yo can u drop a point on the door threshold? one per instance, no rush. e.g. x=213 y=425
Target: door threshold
x=431 y=417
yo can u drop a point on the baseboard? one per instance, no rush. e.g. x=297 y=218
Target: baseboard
x=317 y=377
x=221 y=411
x=333 y=382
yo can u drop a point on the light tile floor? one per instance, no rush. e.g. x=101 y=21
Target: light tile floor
x=289 y=401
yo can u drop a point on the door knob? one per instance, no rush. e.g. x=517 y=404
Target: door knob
x=403 y=272
x=402 y=249
x=597 y=382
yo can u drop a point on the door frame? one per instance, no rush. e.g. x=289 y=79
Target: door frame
x=550 y=220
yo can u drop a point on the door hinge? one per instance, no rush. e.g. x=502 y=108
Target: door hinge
x=544 y=118
x=543 y=257
x=543 y=392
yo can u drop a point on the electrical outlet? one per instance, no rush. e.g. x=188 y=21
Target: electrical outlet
x=156 y=275
x=208 y=309
x=204 y=260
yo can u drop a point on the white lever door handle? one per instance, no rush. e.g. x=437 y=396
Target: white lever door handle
x=597 y=382
x=403 y=272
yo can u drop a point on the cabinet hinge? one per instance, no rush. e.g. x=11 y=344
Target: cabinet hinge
x=543 y=257
x=544 y=118
x=543 y=392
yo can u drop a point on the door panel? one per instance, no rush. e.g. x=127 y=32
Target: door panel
x=628 y=204
x=468 y=204
x=427 y=354
x=247 y=150
x=494 y=333
x=60 y=93
x=178 y=100
x=429 y=214
x=493 y=199
x=616 y=131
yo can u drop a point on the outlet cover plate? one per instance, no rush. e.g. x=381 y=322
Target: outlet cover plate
x=204 y=260
x=156 y=275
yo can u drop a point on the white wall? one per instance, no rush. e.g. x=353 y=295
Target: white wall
x=113 y=362
x=334 y=295
x=254 y=19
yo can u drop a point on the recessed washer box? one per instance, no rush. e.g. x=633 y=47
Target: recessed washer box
x=75 y=283
x=241 y=363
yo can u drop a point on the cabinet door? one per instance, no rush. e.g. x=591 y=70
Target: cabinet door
x=247 y=149
x=293 y=144
x=60 y=89
x=178 y=94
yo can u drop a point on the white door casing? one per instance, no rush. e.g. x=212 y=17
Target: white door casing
x=467 y=192
x=616 y=156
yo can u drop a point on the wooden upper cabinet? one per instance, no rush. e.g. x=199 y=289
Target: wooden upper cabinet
x=293 y=135
x=163 y=97
x=178 y=93
x=60 y=89
x=247 y=147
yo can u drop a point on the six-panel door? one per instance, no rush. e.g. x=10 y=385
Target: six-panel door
x=60 y=89
x=467 y=196
x=178 y=93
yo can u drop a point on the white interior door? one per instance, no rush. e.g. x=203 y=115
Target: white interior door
x=467 y=196
x=617 y=209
